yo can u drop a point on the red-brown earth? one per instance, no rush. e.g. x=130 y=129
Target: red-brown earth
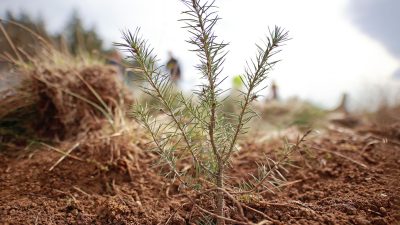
x=348 y=176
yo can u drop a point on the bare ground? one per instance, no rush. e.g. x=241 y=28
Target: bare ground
x=350 y=176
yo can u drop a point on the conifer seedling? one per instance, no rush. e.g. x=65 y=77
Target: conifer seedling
x=198 y=131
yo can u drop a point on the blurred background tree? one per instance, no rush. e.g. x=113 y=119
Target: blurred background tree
x=76 y=37
x=81 y=39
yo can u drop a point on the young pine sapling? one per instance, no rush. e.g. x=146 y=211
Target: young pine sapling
x=197 y=127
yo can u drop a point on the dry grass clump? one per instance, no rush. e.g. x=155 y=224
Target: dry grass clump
x=69 y=95
x=72 y=105
x=76 y=110
x=117 y=152
x=75 y=101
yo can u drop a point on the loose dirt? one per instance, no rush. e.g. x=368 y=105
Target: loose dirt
x=348 y=176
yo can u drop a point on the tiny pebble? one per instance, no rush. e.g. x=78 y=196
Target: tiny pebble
x=383 y=211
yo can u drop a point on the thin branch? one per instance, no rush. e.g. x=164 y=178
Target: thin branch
x=64 y=156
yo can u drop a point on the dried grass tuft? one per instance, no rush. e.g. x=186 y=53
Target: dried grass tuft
x=74 y=106
x=71 y=102
x=61 y=96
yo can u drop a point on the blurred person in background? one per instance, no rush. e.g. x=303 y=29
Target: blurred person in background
x=173 y=68
x=274 y=96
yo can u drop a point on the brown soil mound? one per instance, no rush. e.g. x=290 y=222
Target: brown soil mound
x=71 y=102
x=351 y=178
x=60 y=104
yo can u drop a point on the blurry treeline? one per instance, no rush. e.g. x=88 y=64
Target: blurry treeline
x=74 y=38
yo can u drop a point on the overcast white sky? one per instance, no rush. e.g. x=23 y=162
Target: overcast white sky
x=333 y=48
